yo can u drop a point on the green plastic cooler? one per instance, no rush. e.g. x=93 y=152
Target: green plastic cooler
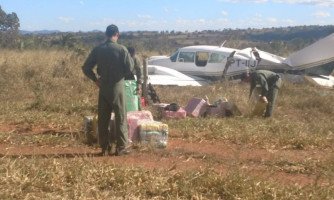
x=131 y=96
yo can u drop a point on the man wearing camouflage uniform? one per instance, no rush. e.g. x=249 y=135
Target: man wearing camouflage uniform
x=138 y=68
x=270 y=83
x=137 y=71
x=113 y=64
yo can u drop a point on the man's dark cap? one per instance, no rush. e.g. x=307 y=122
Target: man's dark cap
x=111 y=30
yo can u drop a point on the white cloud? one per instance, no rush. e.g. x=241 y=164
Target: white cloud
x=321 y=14
x=308 y=2
x=66 y=20
x=240 y=1
x=289 y=22
x=272 y=20
x=224 y=13
x=182 y=24
x=258 y=15
x=144 y=16
x=170 y=10
x=261 y=22
x=201 y=21
x=229 y=1
x=102 y=23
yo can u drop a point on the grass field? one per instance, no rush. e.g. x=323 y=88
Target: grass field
x=43 y=155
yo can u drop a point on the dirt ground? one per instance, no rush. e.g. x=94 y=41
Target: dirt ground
x=279 y=165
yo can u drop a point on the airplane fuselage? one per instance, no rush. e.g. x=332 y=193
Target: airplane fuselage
x=207 y=61
x=216 y=61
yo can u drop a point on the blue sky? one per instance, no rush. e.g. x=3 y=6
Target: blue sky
x=179 y=15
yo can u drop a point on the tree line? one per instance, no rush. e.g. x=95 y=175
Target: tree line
x=278 y=40
x=9 y=29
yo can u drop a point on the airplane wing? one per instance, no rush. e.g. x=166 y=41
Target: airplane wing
x=326 y=81
x=317 y=58
x=158 y=75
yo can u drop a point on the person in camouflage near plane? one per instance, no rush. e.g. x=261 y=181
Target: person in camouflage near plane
x=270 y=83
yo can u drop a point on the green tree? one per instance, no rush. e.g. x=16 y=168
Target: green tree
x=68 y=40
x=9 y=29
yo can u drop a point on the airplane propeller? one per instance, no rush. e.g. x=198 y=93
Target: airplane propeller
x=230 y=60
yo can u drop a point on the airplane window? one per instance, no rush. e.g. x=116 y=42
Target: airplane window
x=202 y=58
x=186 y=56
x=216 y=58
x=174 y=56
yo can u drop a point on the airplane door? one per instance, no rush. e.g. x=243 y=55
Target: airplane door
x=186 y=63
x=201 y=62
x=216 y=64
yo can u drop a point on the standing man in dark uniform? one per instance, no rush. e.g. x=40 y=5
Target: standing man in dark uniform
x=137 y=71
x=137 y=68
x=113 y=64
x=270 y=83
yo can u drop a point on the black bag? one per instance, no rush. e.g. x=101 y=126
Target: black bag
x=172 y=107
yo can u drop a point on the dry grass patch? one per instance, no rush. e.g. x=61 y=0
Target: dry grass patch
x=47 y=89
x=58 y=179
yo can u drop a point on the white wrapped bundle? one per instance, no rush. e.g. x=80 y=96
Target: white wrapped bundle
x=153 y=133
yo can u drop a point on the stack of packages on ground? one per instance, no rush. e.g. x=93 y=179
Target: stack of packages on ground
x=198 y=107
x=141 y=129
x=141 y=126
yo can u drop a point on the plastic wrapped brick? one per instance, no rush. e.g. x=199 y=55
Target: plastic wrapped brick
x=153 y=133
x=133 y=123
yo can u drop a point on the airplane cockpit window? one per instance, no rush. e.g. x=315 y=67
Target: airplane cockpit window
x=216 y=58
x=186 y=57
x=174 y=56
x=202 y=58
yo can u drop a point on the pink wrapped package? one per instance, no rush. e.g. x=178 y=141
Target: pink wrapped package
x=134 y=117
x=180 y=114
x=196 y=107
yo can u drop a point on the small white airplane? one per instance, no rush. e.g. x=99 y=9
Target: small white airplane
x=215 y=62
